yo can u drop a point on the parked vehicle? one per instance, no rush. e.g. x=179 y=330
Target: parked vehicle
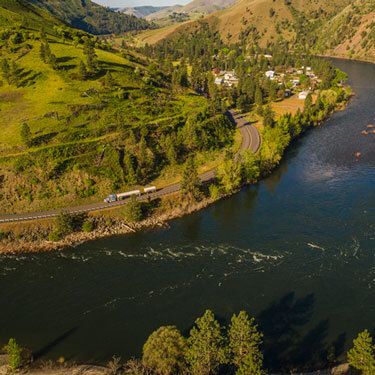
x=118 y=197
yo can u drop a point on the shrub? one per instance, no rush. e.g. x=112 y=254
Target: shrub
x=55 y=236
x=14 y=352
x=88 y=226
x=215 y=192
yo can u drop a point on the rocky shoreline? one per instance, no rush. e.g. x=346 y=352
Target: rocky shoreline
x=103 y=230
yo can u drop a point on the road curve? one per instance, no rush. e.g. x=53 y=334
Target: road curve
x=250 y=141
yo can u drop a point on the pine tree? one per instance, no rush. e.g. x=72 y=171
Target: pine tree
x=14 y=352
x=5 y=70
x=164 y=351
x=91 y=57
x=258 y=96
x=205 y=351
x=244 y=342
x=362 y=355
x=26 y=134
x=191 y=184
x=82 y=71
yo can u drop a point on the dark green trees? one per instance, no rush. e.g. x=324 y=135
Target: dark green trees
x=25 y=134
x=191 y=184
x=244 y=342
x=91 y=57
x=206 y=350
x=46 y=54
x=362 y=355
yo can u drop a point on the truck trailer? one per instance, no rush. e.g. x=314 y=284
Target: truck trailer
x=118 y=197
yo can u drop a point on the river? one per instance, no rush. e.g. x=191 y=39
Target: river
x=296 y=251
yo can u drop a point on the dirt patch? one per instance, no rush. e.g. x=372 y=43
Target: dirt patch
x=11 y=96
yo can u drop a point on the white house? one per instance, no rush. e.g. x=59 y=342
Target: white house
x=219 y=80
x=270 y=74
x=303 y=95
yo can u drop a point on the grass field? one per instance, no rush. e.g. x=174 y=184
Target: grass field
x=81 y=130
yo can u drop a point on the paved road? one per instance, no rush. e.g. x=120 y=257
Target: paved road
x=250 y=141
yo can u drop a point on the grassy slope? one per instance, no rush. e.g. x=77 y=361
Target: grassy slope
x=77 y=139
x=356 y=23
x=32 y=17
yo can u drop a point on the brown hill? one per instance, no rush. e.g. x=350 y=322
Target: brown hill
x=334 y=27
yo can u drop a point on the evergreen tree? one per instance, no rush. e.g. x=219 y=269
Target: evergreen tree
x=205 y=351
x=82 y=71
x=191 y=184
x=268 y=116
x=362 y=355
x=26 y=134
x=6 y=70
x=91 y=57
x=258 y=96
x=164 y=351
x=130 y=175
x=308 y=103
x=244 y=342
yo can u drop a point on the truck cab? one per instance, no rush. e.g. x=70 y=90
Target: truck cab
x=111 y=198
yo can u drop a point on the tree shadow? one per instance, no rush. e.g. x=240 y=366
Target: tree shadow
x=288 y=346
x=51 y=345
x=43 y=139
x=280 y=323
x=64 y=59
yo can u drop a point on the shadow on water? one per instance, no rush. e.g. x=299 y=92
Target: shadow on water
x=288 y=345
x=51 y=345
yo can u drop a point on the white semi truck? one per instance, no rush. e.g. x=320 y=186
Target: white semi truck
x=119 y=197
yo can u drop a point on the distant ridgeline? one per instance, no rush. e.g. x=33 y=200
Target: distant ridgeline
x=84 y=15
x=343 y=28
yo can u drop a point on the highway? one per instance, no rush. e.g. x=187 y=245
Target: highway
x=250 y=141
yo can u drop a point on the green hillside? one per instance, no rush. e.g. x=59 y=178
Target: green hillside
x=91 y=17
x=79 y=121
x=13 y=12
x=87 y=16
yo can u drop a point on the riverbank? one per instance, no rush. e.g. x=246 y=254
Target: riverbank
x=96 y=370
x=33 y=237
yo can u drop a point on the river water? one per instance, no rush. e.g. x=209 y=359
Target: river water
x=296 y=251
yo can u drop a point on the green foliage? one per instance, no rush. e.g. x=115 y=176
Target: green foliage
x=229 y=175
x=244 y=342
x=88 y=226
x=250 y=167
x=164 y=351
x=214 y=191
x=362 y=355
x=191 y=184
x=14 y=352
x=66 y=223
x=133 y=210
x=206 y=351
x=26 y=134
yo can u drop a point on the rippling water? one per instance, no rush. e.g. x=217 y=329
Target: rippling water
x=296 y=251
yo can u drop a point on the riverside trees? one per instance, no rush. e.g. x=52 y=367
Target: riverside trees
x=208 y=348
x=362 y=355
